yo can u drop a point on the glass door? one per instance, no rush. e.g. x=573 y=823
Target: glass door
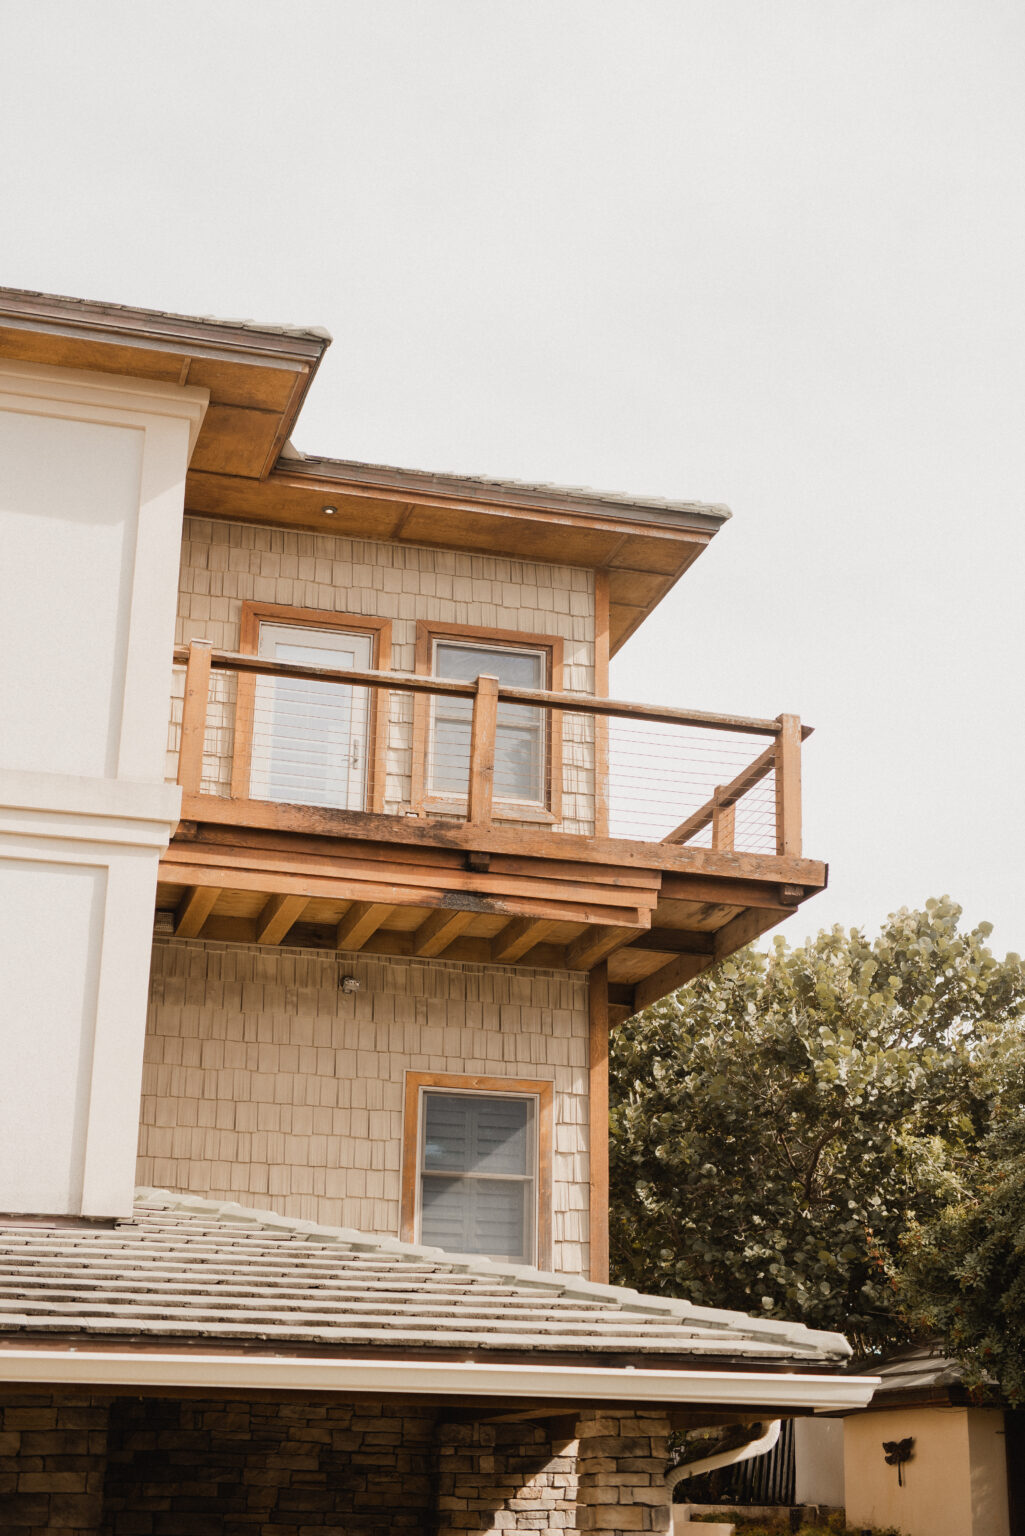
x=310 y=739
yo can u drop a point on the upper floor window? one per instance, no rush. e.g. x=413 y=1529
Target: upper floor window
x=300 y=740
x=520 y=755
x=528 y=738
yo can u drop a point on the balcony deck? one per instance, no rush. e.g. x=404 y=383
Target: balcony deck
x=660 y=841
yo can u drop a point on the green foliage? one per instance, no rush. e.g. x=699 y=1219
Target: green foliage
x=963 y=1272
x=778 y=1124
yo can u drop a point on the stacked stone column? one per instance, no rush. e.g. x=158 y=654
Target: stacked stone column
x=621 y=1467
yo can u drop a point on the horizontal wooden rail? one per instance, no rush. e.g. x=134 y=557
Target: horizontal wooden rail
x=408 y=682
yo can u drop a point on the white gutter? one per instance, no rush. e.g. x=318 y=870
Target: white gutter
x=739 y=1453
x=304 y=1373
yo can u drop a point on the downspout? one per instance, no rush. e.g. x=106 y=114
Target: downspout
x=747 y=1452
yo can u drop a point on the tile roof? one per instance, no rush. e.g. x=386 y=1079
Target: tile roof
x=186 y=1268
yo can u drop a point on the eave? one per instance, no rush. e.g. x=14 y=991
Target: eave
x=140 y=1370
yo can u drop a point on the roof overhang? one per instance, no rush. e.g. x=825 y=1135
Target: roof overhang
x=257 y=376
x=138 y=1370
x=244 y=469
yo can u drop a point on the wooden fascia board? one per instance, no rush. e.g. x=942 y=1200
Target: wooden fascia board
x=370 y=826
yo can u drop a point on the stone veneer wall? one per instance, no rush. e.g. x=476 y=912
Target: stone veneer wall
x=264 y=1083
x=131 y=1466
x=224 y=564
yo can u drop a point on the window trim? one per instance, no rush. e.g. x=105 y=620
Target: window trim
x=542 y=1091
x=253 y=615
x=428 y=631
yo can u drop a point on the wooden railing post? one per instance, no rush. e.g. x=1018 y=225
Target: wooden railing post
x=724 y=820
x=482 y=751
x=197 y=694
x=788 y=787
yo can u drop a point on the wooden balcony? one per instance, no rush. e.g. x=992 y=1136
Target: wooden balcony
x=503 y=825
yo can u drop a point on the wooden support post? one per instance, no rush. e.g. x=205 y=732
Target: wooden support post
x=361 y=921
x=601 y=688
x=598 y=1121
x=482 y=751
x=197 y=694
x=788 y=787
x=278 y=914
x=724 y=821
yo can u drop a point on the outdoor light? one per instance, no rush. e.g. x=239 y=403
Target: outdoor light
x=329 y=511
x=349 y=983
x=896 y=1453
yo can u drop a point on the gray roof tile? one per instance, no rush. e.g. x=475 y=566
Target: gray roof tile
x=191 y=1268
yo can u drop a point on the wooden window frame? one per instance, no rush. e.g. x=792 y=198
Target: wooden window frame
x=446 y=1082
x=255 y=614
x=427 y=632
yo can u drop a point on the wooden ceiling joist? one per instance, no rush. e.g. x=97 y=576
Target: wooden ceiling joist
x=194 y=909
x=436 y=932
x=279 y=913
x=518 y=937
x=361 y=921
x=596 y=944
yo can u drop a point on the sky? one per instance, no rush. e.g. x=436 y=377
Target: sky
x=763 y=254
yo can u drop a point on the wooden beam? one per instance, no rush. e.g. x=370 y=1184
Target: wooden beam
x=520 y=842
x=746 y=928
x=436 y=932
x=517 y=937
x=545 y=698
x=278 y=914
x=595 y=944
x=362 y=919
x=482 y=751
x=619 y=1013
x=675 y=941
x=194 y=909
x=671 y=977
x=194 y=707
x=598 y=1121
x=788 y=787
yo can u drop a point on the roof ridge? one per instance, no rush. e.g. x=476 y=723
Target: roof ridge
x=570 y=1286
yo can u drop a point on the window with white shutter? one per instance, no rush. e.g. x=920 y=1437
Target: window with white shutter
x=478 y=1173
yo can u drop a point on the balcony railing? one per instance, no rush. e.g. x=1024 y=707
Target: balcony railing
x=247 y=728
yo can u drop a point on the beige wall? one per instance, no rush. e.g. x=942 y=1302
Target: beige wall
x=955 y=1484
x=224 y=564
x=264 y=1083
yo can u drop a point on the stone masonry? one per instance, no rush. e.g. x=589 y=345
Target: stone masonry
x=131 y=1466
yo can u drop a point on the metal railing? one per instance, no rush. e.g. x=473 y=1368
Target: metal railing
x=247 y=727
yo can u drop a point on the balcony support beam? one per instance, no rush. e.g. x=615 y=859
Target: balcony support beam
x=278 y=914
x=194 y=909
x=361 y=921
x=436 y=932
x=519 y=936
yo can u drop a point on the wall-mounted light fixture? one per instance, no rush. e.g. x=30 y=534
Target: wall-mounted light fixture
x=896 y=1453
x=349 y=983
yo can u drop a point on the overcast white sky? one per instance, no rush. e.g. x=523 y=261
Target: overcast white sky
x=766 y=254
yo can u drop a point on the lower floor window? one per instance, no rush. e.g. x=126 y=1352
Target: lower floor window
x=477 y=1166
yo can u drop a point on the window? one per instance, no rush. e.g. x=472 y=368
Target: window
x=476 y=1168
x=520 y=735
x=528 y=739
x=304 y=742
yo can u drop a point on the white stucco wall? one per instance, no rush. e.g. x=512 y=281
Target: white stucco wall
x=91 y=495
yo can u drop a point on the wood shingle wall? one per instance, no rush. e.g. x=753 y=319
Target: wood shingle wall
x=224 y=564
x=266 y=1084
